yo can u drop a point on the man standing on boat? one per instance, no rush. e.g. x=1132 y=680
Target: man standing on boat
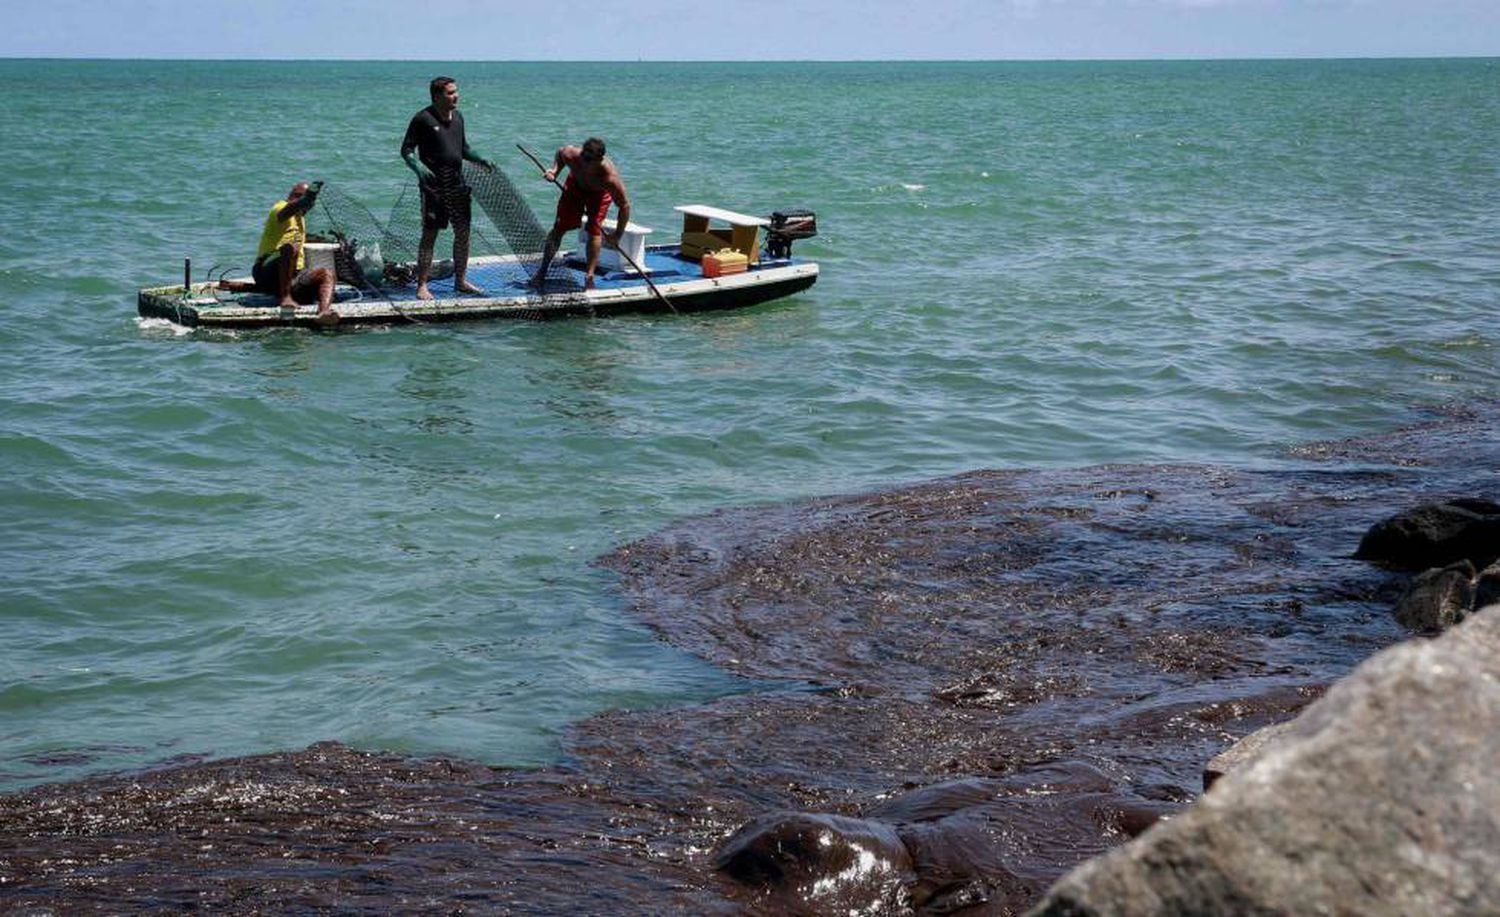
x=593 y=184
x=279 y=259
x=435 y=149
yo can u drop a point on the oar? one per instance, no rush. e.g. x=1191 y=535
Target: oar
x=623 y=254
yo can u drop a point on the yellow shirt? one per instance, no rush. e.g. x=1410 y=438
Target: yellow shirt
x=279 y=232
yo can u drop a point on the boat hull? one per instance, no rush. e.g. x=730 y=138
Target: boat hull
x=207 y=305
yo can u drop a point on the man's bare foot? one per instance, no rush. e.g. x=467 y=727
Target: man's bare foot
x=423 y=293
x=588 y=284
x=327 y=318
x=288 y=303
x=467 y=287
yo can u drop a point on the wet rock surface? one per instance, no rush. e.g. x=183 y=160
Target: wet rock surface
x=1436 y=535
x=1007 y=672
x=1438 y=598
x=1457 y=541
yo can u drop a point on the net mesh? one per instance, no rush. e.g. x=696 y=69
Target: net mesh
x=505 y=245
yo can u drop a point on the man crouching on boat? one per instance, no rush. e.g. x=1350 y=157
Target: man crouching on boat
x=279 y=259
x=593 y=184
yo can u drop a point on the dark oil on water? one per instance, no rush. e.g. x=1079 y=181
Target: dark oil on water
x=988 y=679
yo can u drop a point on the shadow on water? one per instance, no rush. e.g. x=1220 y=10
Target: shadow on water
x=1011 y=671
x=437 y=388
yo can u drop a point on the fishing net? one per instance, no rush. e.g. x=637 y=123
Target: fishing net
x=345 y=220
x=505 y=242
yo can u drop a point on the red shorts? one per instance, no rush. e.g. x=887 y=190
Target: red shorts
x=574 y=205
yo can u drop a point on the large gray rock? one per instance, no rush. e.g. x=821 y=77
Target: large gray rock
x=1245 y=752
x=1382 y=798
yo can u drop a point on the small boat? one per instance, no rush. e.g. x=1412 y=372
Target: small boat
x=707 y=270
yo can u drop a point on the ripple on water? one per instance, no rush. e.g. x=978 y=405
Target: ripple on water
x=1134 y=280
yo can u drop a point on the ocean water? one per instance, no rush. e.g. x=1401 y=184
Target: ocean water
x=217 y=544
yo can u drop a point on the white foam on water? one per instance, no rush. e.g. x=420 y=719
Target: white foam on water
x=160 y=324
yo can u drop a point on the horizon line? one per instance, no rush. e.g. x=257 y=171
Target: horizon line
x=775 y=60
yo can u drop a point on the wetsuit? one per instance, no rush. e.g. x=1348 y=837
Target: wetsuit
x=440 y=146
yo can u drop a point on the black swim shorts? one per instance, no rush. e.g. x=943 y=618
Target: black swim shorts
x=266 y=271
x=445 y=202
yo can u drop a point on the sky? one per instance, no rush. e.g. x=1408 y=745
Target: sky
x=748 y=29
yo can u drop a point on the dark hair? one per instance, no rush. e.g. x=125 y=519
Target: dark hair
x=438 y=84
x=593 y=149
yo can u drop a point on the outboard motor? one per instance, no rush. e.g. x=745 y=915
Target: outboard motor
x=786 y=227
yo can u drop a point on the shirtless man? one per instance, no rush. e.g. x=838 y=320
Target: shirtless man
x=593 y=184
x=435 y=149
x=279 y=258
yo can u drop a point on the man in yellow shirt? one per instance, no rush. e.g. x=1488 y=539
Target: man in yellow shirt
x=279 y=258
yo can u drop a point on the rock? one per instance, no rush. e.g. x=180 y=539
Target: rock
x=1435 y=535
x=1381 y=798
x=948 y=830
x=958 y=866
x=1243 y=753
x=1487 y=586
x=1437 y=599
x=793 y=861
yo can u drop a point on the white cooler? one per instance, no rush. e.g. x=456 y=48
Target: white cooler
x=319 y=254
x=632 y=241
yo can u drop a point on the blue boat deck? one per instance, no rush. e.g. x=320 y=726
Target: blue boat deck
x=511 y=278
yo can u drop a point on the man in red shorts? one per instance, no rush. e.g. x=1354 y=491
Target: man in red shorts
x=593 y=184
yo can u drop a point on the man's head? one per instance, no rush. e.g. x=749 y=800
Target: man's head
x=444 y=92
x=593 y=150
x=294 y=195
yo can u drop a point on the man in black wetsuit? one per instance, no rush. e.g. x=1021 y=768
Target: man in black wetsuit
x=435 y=149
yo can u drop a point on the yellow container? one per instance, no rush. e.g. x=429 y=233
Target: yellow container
x=725 y=261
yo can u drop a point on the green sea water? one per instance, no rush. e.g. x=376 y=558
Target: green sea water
x=219 y=544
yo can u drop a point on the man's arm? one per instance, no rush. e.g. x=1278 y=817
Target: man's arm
x=564 y=157
x=301 y=205
x=616 y=186
x=475 y=158
x=409 y=152
x=415 y=163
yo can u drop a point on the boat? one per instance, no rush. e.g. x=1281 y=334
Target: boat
x=707 y=269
